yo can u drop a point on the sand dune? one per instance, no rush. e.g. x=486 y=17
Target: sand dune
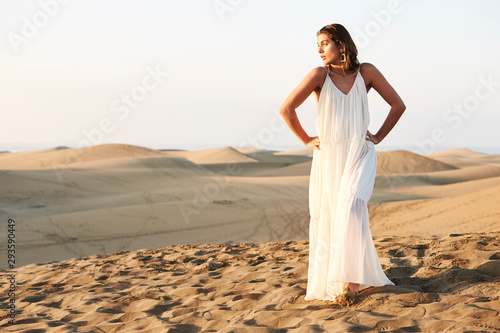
x=406 y=162
x=286 y=159
x=175 y=166
x=456 y=152
x=438 y=177
x=463 y=157
x=244 y=169
x=298 y=169
x=447 y=190
x=470 y=212
x=304 y=151
x=215 y=155
x=442 y=284
x=252 y=150
x=61 y=157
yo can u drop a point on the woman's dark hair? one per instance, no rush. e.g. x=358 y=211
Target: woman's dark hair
x=341 y=37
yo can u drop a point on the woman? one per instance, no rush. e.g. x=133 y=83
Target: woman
x=342 y=256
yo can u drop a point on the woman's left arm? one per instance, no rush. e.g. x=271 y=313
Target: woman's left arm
x=376 y=80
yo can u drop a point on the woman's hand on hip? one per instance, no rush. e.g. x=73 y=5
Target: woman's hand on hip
x=371 y=137
x=313 y=142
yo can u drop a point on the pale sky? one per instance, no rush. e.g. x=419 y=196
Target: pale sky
x=75 y=71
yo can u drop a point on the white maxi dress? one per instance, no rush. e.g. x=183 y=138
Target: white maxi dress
x=341 y=248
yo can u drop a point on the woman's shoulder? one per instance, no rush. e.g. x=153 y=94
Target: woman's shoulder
x=320 y=70
x=366 y=67
x=317 y=74
x=369 y=72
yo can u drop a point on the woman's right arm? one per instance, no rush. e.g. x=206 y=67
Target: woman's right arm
x=312 y=82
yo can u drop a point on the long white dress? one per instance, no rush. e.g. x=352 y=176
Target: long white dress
x=343 y=172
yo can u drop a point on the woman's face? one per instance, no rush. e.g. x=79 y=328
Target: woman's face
x=328 y=50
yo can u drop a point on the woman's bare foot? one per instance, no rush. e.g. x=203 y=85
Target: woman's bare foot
x=353 y=287
x=346 y=298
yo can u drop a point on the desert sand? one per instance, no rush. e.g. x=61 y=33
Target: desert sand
x=117 y=238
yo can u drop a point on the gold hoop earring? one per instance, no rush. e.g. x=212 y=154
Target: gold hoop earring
x=342 y=57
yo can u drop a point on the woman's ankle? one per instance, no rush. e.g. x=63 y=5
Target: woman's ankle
x=353 y=287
